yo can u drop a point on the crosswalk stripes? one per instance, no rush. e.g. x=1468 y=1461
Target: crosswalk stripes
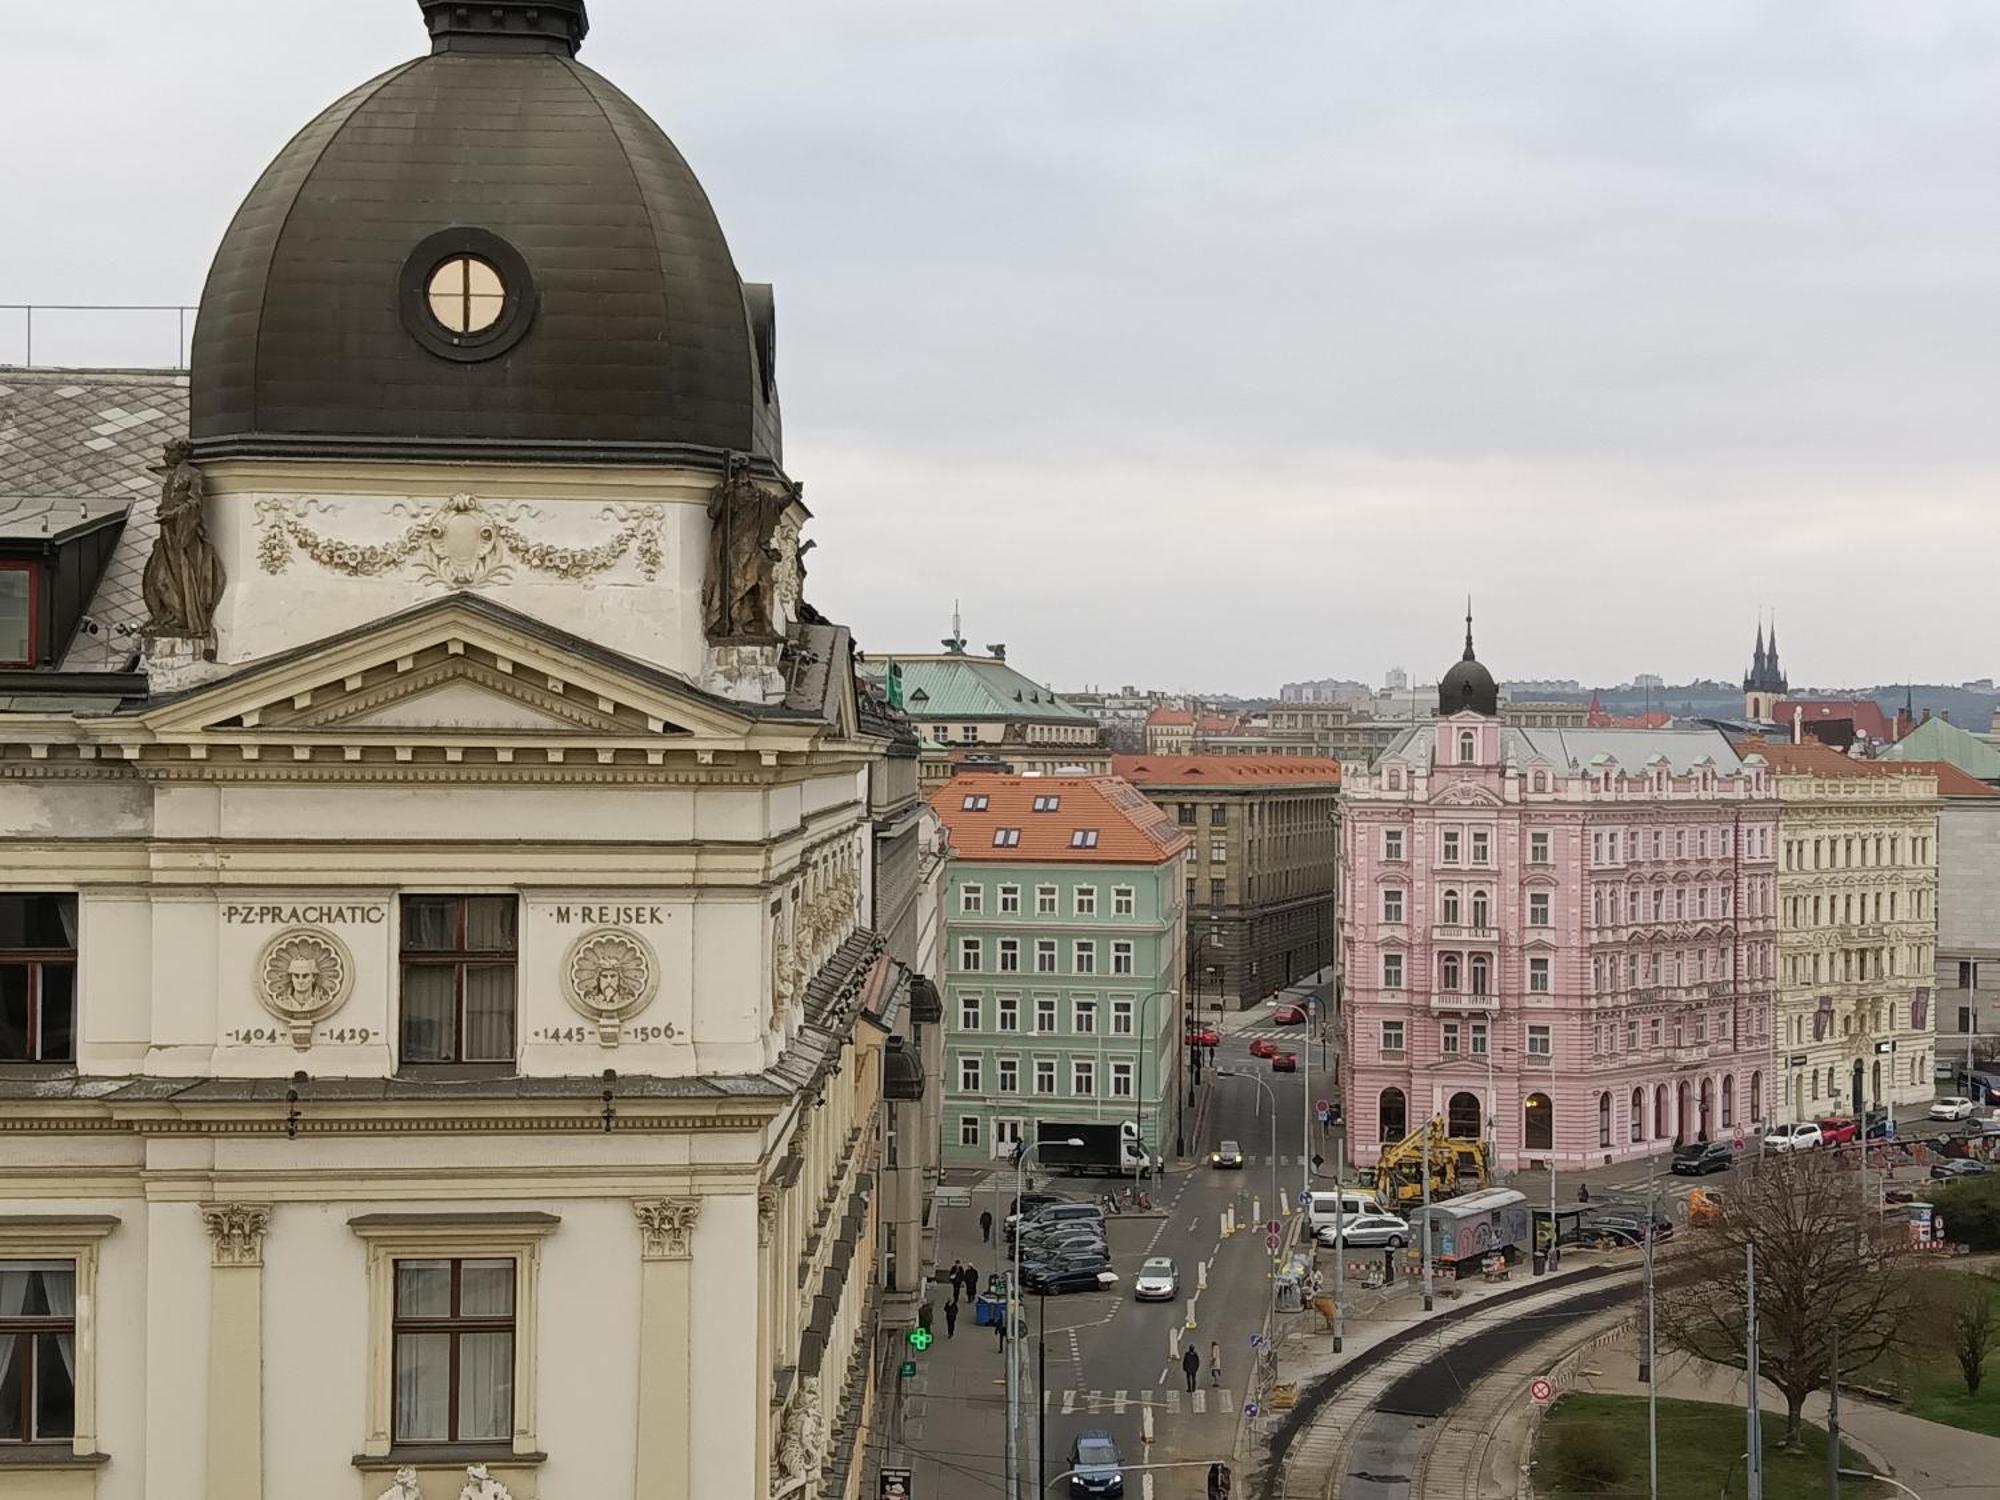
x=1200 y=1398
x=1200 y=1402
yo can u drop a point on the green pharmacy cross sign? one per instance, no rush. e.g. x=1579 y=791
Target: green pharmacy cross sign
x=920 y=1339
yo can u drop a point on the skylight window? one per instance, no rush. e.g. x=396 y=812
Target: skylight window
x=1083 y=838
x=975 y=802
x=1047 y=803
x=1005 y=838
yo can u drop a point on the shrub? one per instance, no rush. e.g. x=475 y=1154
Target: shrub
x=1583 y=1456
x=1971 y=1210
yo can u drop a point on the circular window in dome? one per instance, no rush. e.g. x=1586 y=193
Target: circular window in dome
x=467 y=295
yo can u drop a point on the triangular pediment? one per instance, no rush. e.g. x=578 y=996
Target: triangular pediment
x=458 y=669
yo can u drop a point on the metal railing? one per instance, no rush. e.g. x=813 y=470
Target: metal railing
x=182 y=315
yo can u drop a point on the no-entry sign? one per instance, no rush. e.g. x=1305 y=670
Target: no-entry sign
x=1542 y=1392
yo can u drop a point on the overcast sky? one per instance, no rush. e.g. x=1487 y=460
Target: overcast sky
x=1208 y=345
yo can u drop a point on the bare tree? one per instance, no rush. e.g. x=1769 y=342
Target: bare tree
x=1965 y=1324
x=1822 y=1268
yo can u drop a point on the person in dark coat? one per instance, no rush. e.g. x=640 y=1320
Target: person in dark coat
x=1583 y=1192
x=986 y=1226
x=1388 y=1267
x=924 y=1315
x=1191 y=1366
x=951 y=1319
x=957 y=1279
x=969 y=1279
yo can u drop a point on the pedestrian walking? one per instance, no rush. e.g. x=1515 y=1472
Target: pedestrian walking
x=1191 y=1366
x=951 y=1320
x=1388 y=1267
x=1583 y=1192
x=1214 y=1363
x=957 y=1279
x=969 y=1278
x=924 y=1315
x=1000 y=1331
x=986 y=1226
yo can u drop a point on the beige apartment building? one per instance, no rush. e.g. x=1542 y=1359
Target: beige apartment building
x=1857 y=930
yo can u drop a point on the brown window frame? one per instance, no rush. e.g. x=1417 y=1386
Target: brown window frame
x=35 y=584
x=458 y=959
x=455 y=1325
x=37 y=962
x=24 y=1331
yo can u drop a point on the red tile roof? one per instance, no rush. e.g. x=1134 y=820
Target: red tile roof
x=1865 y=714
x=1171 y=716
x=1952 y=782
x=1225 y=770
x=1823 y=760
x=1130 y=830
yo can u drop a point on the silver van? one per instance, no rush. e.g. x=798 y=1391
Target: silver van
x=1351 y=1201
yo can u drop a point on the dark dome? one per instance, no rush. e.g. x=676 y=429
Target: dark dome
x=1468 y=684
x=623 y=329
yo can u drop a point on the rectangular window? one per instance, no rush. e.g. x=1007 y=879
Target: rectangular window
x=1083 y=1076
x=974 y=802
x=1218 y=816
x=1538 y=976
x=1121 y=957
x=1045 y=1075
x=459 y=955
x=1631 y=1036
x=1392 y=906
x=1701 y=1026
x=1007 y=1012
x=1045 y=901
x=1215 y=897
x=1010 y=955
x=1007 y=1075
x=1047 y=803
x=1653 y=1033
x=1448 y=1039
x=969 y=1081
x=1218 y=851
x=969 y=955
x=37 y=1351
x=454 y=1351
x=1538 y=908
x=1083 y=838
x=1392 y=971
x=1045 y=1013
x=1006 y=838
x=1538 y=1041
x=1086 y=956
x=37 y=979
x=1045 y=955
x=1085 y=899
x=18 y=588
x=1538 y=848
x=971 y=900
x=1392 y=1036
x=1121 y=1017
x=1392 y=843
x=1450 y=855
x=1478 y=1038
x=1184 y=814
x=969 y=1018
x=968 y=1130
x=1010 y=900
x=1085 y=1014
x=1121 y=1080
x=1122 y=897
x=1481 y=846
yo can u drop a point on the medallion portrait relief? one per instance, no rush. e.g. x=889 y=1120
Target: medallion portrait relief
x=609 y=976
x=303 y=976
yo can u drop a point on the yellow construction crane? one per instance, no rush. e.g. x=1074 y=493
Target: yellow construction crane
x=1457 y=1165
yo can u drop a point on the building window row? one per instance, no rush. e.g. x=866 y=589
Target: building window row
x=1047 y=955
x=1085 y=1011
x=1045 y=1073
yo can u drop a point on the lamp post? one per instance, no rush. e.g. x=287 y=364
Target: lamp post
x=1010 y=1331
x=1237 y=1073
x=1139 y=1103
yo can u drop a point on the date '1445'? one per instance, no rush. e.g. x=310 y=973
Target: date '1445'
x=662 y=1033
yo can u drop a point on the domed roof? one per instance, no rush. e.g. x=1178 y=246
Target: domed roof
x=1468 y=684
x=488 y=251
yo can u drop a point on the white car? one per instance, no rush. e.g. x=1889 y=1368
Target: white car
x=1953 y=1108
x=1800 y=1136
x=1368 y=1231
x=1159 y=1280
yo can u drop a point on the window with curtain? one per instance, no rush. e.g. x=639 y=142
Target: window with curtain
x=459 y=956
x=37 y=978
x=37 y=1351
x=454 y=1351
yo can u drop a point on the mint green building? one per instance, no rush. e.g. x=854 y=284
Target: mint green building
x=1064 y=949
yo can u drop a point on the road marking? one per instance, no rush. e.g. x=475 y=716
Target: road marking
x=1118 y=1403
x=1200 y=1402
x=1096 y=1399
x=1069 y=1402
x=1146 y=1485
x=1173 y=1396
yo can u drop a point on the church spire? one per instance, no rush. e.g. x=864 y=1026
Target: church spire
x=1468 y=630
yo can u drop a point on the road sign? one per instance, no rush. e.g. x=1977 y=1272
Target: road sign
x=898 y=1484
x=1256 y=1341
x=1542 y=1392
x=1318 y=1161
x=909 y=1370
x=1738 y=1142
x=1250 y=1409
x=1305 y=1198
x=1272 y=1226
x=920 y=1339
x=1322 y=1112
x=1322 y=1107
x=1273 y=1241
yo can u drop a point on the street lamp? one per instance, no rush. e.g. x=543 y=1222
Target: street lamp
x=1012 y=1314
x=1276 y=1201
x=1139 y=1104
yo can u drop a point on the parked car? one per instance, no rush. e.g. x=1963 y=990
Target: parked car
x=1289 y=1015
x=1880 y=1128
x=1062 y=1229
x=1159 y=1280
x=1699 y=1161
x=1631 y=1225
x=1096 y=1465
x=1065 y=1246
x=1964 y=1166
x=1263 y=1046
x=1226 y=1154
x=1284 y=1062
x=1078 y=1276
x=1067 y=1210
x=1837 y=1130
x=1953 y=1107
x=1203 y=1036
x=1367 y=1231
x=1031 y=1204
x=1799 y=1136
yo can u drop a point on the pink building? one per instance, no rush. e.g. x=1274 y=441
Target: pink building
x=1562 y=940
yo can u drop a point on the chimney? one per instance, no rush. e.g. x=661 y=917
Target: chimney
x=1926 y=718
x=1946 y=715
x=1798 y=726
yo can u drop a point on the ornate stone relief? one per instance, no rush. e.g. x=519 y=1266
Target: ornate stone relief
x=460 y=542
x=666 y=1227
x=826 y=910
x=767 y=1215
x=405 y=1487
x=303 y=976
x=479 y=1485
x=236 y=1232
x=788 y=574
x=183 y=579
x=802 y=1436
x=609 y=976
x=782 y=923
x=744 y=516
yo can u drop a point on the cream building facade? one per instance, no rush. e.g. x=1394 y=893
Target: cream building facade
x=445 y=1025
x=1857 y=931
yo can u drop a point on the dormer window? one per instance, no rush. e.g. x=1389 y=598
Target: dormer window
x=1006 y=838
x=18 y=587
x=1468 y=747
x=1083 y=838
x=1047 y=803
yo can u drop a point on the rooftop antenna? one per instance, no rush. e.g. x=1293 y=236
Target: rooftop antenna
x=955 y=642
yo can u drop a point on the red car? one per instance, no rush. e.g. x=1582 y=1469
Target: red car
x=1837 y=1130
x=1284 y=1062
x=1263 y=1047
x=1289 y=1015
x=1204 y=1038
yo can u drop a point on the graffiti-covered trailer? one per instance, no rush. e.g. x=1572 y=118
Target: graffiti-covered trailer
x=1466 y=1230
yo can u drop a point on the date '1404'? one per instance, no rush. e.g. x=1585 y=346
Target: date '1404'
x=663 y=1033
x=255 y=1036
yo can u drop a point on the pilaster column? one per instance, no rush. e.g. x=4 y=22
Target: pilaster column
x=666 y=1353
x=769 y=1258
x=236 y=1349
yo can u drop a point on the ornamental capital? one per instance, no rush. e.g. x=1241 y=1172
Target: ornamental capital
x=666 y=1227
x=236 y=1232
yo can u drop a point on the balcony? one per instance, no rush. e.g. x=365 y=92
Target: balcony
x=1462 y=1002
x=1457 y=933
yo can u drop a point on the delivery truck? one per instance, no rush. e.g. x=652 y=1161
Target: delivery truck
x=1107 y=1150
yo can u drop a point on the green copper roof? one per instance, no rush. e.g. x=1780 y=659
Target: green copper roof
x=973 y=687
x=1935 y=739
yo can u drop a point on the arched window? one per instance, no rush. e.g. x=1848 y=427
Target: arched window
x=1638 y=1121
x=1757 y=1096
x=1538 y=1123
x=1661 y=1128
x=1540 y=781
x=1468 y=747
x=1462 y=1116
x=1604 y=1119
x=1390 y=1115
x=1707 y=1116
x=1728 y=1100
x=1451 y=908
x=1448 y=971
x=1479 y=974
x=1479 y=908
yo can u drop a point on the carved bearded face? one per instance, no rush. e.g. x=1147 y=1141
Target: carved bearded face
x=302 y=978
x=610 y=989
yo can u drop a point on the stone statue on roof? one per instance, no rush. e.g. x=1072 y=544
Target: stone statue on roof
x=183 y=579
x=744 y=556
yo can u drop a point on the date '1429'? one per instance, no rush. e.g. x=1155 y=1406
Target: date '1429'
x=336 y=1036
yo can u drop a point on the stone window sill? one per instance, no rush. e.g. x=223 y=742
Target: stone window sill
x=449 y=1456
x=19 y=1456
